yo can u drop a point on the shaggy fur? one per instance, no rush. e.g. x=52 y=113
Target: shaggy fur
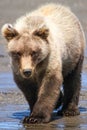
x=47 y=50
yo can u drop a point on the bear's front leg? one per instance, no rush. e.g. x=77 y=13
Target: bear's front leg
x=47 y=97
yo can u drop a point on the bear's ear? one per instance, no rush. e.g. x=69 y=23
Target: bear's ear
x=42 y=32
x=9 y=32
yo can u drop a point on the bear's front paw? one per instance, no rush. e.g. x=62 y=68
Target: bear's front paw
x=35 y=119
x=31 y=120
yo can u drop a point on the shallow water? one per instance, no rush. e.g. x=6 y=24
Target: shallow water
x=10 y=119
x=77 y=123
x=84 y=81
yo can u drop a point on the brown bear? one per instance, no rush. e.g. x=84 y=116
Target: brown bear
x=47 y=50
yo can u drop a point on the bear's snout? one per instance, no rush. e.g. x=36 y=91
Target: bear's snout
x=27 y=72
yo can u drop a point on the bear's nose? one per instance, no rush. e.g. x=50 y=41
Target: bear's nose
x=27 y=72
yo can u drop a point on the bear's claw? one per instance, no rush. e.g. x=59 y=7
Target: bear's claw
x=32 y=120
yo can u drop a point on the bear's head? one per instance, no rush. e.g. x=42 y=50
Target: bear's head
x=26 y=49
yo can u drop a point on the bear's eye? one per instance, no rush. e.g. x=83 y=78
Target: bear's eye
x=16 y=54
x=34 y=54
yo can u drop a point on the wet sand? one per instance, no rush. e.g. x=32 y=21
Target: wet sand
x=13 y=106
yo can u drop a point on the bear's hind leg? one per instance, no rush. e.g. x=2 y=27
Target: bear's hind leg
x=72 y=86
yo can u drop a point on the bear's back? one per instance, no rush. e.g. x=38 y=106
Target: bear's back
x=61 y=17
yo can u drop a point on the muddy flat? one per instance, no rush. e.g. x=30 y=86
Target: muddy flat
x=13 y=106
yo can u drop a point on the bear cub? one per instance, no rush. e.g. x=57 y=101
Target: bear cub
x=46 y=48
